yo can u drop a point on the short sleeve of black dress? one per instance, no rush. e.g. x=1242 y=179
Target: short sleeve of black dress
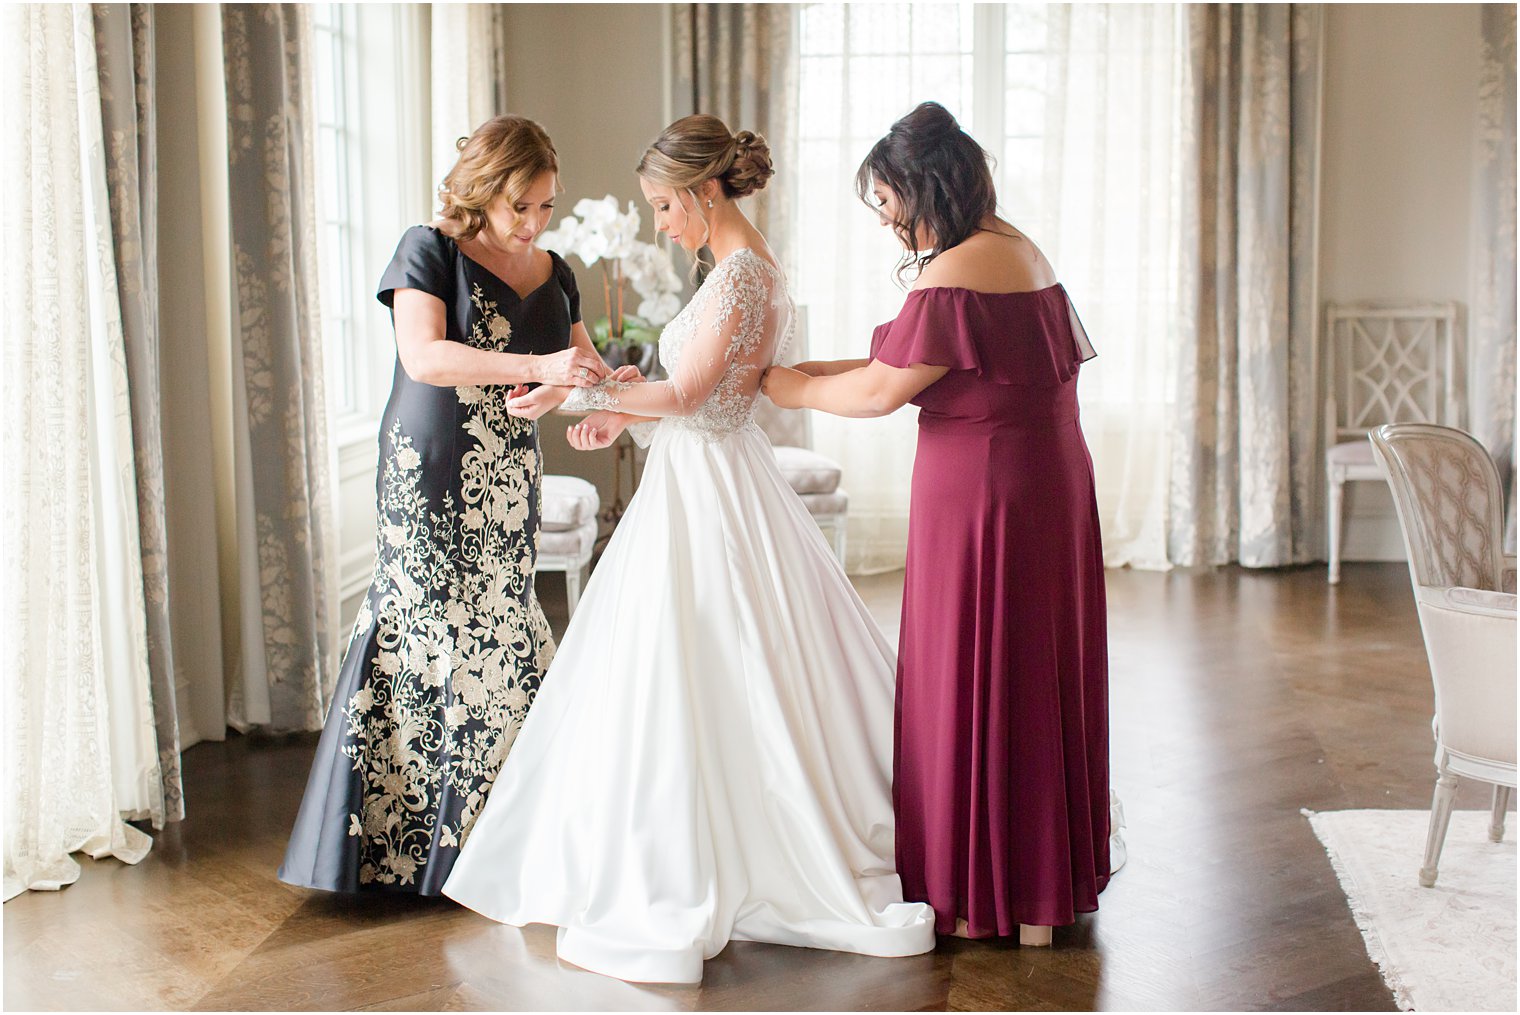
x=568 y=285
x=422 y=261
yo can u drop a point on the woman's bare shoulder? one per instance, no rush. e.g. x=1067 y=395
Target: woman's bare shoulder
x=990 y=262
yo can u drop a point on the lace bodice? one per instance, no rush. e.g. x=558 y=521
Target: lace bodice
x=713 y=351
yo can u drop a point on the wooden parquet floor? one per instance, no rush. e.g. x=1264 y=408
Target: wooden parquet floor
x=1238 y=698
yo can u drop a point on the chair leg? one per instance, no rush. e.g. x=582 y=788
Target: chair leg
x=1440 y=817
x=1335 y=502
x=1496 y=822
x=572 y=588
x=839 y=534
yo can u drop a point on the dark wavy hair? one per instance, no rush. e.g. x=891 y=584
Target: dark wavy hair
x=942 y=179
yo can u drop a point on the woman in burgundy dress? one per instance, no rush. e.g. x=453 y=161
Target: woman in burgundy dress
x=1001 y=770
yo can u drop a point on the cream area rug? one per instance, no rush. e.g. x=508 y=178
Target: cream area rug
x=1447 y=948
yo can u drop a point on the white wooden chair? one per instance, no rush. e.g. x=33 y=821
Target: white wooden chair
x=567 y=530
x=812 y=476
x=1387 y=363
x=1451 y=509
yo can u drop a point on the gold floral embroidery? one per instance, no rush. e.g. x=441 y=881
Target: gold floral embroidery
x=460 y=640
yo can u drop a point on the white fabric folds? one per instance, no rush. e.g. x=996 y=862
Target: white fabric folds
x=709 y=758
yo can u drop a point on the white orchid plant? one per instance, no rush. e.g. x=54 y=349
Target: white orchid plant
x=600 y=234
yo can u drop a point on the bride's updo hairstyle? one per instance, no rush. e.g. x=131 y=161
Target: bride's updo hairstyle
x=699 y=148
x=942 y=179
x=503 y=157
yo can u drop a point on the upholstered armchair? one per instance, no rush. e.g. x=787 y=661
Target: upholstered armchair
x=567 y=531
x=1451 y=509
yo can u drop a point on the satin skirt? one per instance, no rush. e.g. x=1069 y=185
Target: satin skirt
x=709 y=757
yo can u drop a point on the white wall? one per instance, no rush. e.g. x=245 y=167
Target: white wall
x=1401 y=87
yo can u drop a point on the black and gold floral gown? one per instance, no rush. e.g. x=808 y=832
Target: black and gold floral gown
x=450 y=643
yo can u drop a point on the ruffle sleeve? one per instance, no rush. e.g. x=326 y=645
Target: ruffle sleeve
x=1033 y=338
x=422 y=261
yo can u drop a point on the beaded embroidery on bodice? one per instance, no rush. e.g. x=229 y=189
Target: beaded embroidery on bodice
x=746 y=284
x=714 y=352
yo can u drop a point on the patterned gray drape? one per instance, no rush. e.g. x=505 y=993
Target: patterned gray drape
x=124 y=55
x=1491 y=358
x=289 y=659
x=1246 y=451
x=739 y=62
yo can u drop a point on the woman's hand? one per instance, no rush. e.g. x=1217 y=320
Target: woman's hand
x=811 y=368
x=525 y=404
x=783 y=386
x=628 y=374
x=573 y=367
x=597 y=430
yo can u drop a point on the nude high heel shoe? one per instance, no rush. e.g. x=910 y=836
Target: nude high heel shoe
x=1033 y=936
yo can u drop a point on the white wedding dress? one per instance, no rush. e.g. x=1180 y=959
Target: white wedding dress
x=709 y=758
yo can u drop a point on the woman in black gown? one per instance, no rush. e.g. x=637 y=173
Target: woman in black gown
x=450 y=643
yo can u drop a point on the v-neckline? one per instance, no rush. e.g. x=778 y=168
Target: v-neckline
x=521 y=298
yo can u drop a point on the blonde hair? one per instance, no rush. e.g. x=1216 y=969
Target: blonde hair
x=699 y=148
x=504 y=156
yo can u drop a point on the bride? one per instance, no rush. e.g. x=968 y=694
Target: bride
x=709 y=757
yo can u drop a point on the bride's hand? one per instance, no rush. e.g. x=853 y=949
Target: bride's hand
x=597 y=430
x=525 y=404
x=783 y=386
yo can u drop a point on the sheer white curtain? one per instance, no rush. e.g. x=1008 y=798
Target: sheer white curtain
x=80 y=746
x=1091 y=169
x=1080 y=104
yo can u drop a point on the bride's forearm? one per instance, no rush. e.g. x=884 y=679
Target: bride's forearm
x=644 y=399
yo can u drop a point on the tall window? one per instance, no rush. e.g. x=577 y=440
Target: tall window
x=335 y=37
x=1079 y=105
x=372 y=173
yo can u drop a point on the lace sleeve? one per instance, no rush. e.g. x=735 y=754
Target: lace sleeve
x=598 y=396
x=730 y=322
x=643 y=432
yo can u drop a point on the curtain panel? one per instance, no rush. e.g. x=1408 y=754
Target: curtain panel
x=1246 y=448
x=738 y=62
x=467 y=82
x=288 y=573
x=124 y=47
x=80 y=743
x=1491 y=359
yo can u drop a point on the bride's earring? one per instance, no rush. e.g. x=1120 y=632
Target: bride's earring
x=709 y=202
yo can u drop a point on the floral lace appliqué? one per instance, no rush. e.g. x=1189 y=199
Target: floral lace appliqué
x=460 y=640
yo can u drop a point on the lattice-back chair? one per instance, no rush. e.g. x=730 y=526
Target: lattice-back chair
x=814 y=477
x=1387 y=363
x=1451 y=510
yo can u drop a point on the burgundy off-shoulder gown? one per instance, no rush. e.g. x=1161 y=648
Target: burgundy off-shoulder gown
x=1001 y=767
